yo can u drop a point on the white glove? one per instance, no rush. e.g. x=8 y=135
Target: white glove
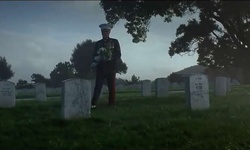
x=97 y=58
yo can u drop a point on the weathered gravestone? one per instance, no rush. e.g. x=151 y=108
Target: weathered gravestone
x=40 y=90
x=76 y=99
x=235 y=82
x=228 y=84
x=197 y=92
x=220 y=86
x=7 y=94
x=161 y=87
x=146 y=88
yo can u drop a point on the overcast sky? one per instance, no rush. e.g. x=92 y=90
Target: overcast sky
x=36 y=36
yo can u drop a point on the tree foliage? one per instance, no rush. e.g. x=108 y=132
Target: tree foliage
x=174 y=77
x=5 y=69
x=121 y=67
x=134 y=80
x=82 y=58
x=138 y=13
x=23 y=84
x=38 y=78
x=220 y=35
x=62 y=71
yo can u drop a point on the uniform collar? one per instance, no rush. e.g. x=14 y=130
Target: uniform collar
x=105 y=40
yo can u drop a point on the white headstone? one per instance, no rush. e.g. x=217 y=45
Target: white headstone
x=7 y=94
x=161 y=87
x=40 y=89
x=220 y=86
x=235 y=82
x=146 y=88
x=197 y=91
x=76 y=98
x=228 y=84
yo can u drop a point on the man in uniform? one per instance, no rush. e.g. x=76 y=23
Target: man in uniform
x=105 y=63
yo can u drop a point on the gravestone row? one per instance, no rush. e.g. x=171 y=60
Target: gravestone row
x=161 y=89
x=77 y=93
x=8 y=93
x=196 y=89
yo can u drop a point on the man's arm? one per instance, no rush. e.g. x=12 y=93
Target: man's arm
x=95 y=56
x=117 y=50
x=95 y=50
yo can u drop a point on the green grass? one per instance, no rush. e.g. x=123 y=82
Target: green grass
x=24 y=96
x=134 y=123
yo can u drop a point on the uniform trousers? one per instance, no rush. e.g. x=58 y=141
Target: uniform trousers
x=103 y=74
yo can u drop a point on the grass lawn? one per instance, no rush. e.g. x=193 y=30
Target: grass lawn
x=25 y=96
x=134 y=123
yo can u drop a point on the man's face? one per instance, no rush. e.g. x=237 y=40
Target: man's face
x=105 y=33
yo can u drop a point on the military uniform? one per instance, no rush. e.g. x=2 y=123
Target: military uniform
x=106 y=69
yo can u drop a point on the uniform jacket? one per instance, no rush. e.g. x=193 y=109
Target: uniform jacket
x=114 y=45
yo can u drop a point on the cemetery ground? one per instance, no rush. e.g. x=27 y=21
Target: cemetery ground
x=135 y=122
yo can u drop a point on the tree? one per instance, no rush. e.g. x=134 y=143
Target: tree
x=6 y=72
x=38 y=78
x=138 y=13
x=134 y=80
x=220 y=36
x=62 y=71
x=224 y=46
x=22 y=84
x=174 y=77
x=121 y=67
x=82 y=58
